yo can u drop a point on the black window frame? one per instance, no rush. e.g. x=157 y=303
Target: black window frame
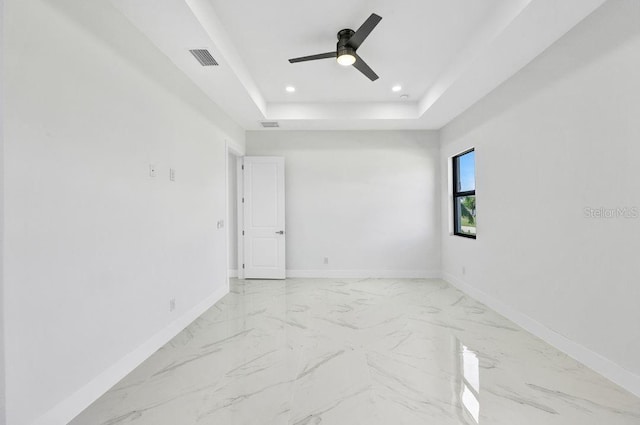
x=460 y=194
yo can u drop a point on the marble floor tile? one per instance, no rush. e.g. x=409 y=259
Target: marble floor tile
x=358 y=351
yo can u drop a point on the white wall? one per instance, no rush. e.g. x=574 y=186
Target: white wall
x=2 y=346
x=95 y=247
x=560 y=136
x=232 y=225
x=367 y=200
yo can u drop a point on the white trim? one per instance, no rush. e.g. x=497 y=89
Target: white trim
x=607 y=368
x=234 y=147
x=3 y=372
x=231 y=148
x=397 y=274
x=233 y=273
x=227 y=244
x=65 y=411
x=240 y=214
x=450 y=194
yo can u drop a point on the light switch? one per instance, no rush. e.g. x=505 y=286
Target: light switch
x=172 y=174
x=220 y=224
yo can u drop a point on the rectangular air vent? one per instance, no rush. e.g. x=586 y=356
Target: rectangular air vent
x=269 y=124
x=204 y=57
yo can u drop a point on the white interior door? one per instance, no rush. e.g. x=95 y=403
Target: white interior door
x=264 y=230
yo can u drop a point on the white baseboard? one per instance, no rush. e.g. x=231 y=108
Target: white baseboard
x=607 y=368
x=345 y=274
x=233 y=273
x=80 y=400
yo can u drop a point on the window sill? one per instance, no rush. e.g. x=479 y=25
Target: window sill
x=464 y=235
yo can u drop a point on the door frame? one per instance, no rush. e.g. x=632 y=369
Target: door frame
x=233 y=152
x=240 y=214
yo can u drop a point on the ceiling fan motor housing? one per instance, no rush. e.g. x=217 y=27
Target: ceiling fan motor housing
x=343 y=39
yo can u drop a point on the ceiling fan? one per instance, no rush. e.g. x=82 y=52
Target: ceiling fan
x=348 y=43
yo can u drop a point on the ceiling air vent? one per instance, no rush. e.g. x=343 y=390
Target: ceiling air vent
x=269 y=124
x=204 y=57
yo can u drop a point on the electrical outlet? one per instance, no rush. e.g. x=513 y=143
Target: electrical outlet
x=172 y=304
x=152 y=170
x=326 y=260
x=172 y=174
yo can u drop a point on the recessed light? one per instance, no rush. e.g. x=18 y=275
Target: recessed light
x=396 y=88
x=290 y=89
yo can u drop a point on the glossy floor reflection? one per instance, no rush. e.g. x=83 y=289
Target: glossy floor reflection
x=346 y=352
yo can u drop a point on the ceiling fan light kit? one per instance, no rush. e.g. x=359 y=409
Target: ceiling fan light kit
x=346 y=57
x=348 y=43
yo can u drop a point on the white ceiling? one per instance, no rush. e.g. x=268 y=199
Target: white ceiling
x=446 y=55
x=415 y=41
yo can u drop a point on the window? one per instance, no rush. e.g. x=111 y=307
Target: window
x=464 y=194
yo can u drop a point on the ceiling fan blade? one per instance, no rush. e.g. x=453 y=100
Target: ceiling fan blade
x=362 y=66
x=314 y=57
x=363 y=32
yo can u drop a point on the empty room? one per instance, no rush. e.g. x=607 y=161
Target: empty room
x=319 y=212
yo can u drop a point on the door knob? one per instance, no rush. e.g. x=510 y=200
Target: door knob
x=281 y=232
